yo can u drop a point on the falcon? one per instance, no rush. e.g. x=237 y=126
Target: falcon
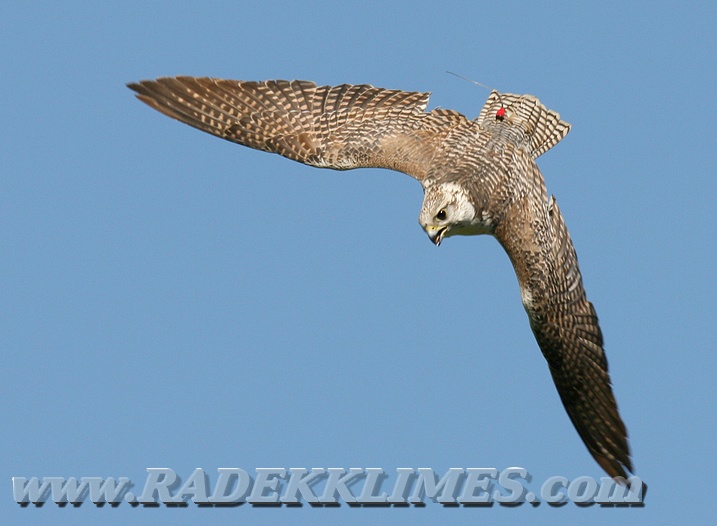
x=479 y=177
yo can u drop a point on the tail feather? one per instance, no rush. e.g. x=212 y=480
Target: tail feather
x=542 y=128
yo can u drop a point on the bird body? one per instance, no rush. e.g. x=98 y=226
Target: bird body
x=479 y=177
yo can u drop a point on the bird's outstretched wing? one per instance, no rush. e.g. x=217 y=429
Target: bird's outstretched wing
x=339 y=127
x=566 y=327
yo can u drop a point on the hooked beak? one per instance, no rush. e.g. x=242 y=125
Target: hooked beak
x=436 y=234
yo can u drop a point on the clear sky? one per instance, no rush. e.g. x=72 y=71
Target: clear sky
x=168 y=299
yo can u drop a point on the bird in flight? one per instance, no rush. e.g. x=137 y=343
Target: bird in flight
x=479 y=177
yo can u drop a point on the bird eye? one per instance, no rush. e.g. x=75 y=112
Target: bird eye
x=441 y=215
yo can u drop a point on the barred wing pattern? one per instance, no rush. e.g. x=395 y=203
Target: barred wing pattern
x=533 y=233
x=566 y=328
x=339 y=127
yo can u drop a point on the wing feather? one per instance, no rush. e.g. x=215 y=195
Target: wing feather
x=339 y=127
x=566 y=327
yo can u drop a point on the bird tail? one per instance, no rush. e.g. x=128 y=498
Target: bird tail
x=542 y=128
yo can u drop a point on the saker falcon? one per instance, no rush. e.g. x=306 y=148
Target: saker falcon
x=479 y=177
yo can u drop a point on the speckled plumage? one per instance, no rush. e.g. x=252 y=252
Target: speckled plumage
x=479 y=176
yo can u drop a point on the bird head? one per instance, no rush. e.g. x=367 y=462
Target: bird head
x=446 y=211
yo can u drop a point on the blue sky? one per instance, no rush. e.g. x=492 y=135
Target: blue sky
x=172 y=300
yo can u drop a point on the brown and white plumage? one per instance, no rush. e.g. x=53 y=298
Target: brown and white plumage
x=479 y=177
